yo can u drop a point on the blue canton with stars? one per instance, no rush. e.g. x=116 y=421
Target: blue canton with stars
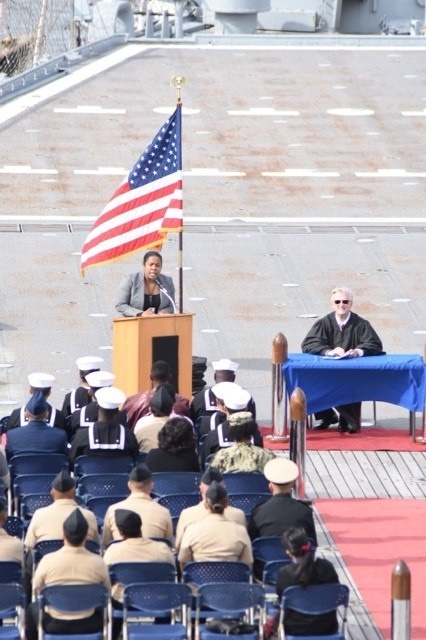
x=162 y=156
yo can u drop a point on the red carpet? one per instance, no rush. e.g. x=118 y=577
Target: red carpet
x=372 y=535
x=369 y=439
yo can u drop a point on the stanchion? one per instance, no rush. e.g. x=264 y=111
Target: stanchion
x=279 y=404
x=401 y=602
x=298 y=439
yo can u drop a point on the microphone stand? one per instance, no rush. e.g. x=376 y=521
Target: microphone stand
x=162 y=289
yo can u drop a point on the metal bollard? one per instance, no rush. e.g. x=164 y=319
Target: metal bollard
x=298 y=439
x=279 y=418
x=401 y=602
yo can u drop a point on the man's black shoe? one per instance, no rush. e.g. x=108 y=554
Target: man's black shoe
x=343 y=425
x=324 y=424
x=354 y=429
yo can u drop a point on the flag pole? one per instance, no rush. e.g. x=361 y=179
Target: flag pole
x=178 y=82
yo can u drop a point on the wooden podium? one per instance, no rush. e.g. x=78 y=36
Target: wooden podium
x=138 y=342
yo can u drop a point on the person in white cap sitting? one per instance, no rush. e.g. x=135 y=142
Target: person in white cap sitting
x=54 y=417
x=37 y=436
x=79 y=397
x=235 y=399
x=105 y=437
x=214 y=419
x=281 y=511
x=204 y=401
x=88 y=414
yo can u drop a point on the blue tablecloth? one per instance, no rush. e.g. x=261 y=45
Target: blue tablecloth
x=397 y=379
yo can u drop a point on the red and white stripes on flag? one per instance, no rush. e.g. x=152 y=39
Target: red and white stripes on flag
x=146 y=206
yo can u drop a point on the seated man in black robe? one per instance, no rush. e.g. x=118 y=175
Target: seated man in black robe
x=342 y=333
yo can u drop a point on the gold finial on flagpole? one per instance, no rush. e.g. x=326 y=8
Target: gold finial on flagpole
x=178 y=82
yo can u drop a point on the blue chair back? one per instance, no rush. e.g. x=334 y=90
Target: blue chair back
x=210 y=571
x=156 y=599
x=271 y=570
x=316 y=599
x=172 y=482
x=74 y=598
x=268 y=548
x=30 y=503
x=102 y=484
x=89 y=465
x=14 y=526
x=175 y=503
x=43 y=547
x=10 y=571
x=12 y=604
x=34 y=463
x=32 y=483
x=248 y=501
x=126 y=573
x=245 y=482
x=100 y=504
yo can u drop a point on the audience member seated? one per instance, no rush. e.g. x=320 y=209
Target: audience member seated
x=148 y=427
x=11 y=549
x=156 y=519
x=211 y=422
x=72 y=564
x=4 y=469
x=199 y=512
x=303 y=571
x=47 y=522
x=79 y=397
x=281 y=511
x=243 y=455
x=215 y=537
x=54 y=418
x=37 y=436
x=204 y=401
x=106 y=437
x=132 y=548
x=138 y=405
x=88 y=415
x=235 y=399
x=176 y=448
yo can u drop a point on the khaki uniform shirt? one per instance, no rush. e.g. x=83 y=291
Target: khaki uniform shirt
x=199 y=512
x=241 y=457
x=70 y=565
x=136 y=550
x=11 y=549
x=216 y=538
x=47 y=522
x=156 y=519
x=146 y=432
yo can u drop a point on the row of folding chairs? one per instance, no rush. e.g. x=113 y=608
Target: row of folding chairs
x=145 y=603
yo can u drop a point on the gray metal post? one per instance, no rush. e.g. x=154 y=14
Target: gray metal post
x=179 y=18
x=401 y=602
x=149 y=24
x=279 y=418
x=298 y=439
x=165 y=26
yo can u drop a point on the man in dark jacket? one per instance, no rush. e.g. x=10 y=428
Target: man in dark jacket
x=342 y=334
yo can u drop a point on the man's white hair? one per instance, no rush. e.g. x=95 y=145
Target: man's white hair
x=343 y=290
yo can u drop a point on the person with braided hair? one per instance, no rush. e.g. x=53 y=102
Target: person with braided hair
x=303 y=571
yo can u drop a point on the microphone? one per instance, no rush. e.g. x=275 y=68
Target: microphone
x=163 y=290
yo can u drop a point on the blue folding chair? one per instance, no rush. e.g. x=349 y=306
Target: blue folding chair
x=30 y=503
x=245 y=482
x=100 y=504
x=43 y=547
x=238 y=600
x=172 y=482
x=268 y=548
x=271 y=570
x=12 y=606
x=157 y=600
x=208 y=571
x=10 y=571
x=176 y=502
x=34 y=463
x=89 y=465
x=30 y=483
x=248 y=501
x=102 y=484
x=14 y=526
x=126 y=573
x=74 y=598
x=315 y=600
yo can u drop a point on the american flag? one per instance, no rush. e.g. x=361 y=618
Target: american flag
x=146 y=206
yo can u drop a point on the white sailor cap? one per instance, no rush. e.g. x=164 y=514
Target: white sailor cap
x=89 y=363
x=41 y=380
x=225 y=365
x=220 y=388
x=280 y=471
x=110 y=397
x=98 y=379
x=236 y=399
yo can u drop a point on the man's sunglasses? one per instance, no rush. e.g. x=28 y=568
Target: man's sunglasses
x=341 y=301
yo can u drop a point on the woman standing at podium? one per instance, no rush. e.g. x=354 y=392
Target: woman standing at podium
x=147 y=292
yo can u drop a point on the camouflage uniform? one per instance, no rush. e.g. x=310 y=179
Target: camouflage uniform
x=241 y=457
